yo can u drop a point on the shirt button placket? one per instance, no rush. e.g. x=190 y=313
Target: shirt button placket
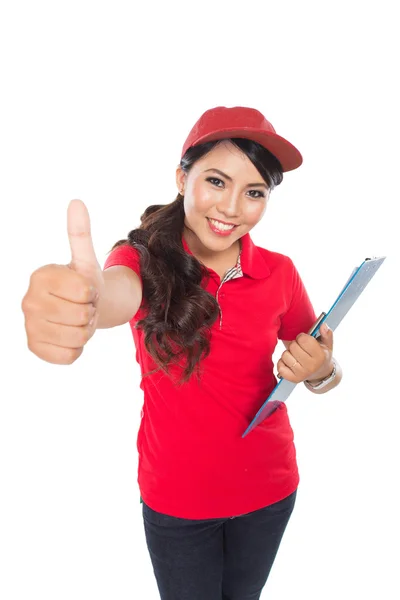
x=220 y=310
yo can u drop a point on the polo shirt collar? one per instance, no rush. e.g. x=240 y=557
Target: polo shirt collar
x=252 y=262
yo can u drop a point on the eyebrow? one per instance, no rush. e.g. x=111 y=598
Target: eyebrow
x=230 y=178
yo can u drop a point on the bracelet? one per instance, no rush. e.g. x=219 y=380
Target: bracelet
x=324 y=382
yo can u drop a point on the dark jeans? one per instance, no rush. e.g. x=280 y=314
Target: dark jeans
x=215 y=559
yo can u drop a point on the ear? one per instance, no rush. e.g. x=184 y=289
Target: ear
x=180 y=178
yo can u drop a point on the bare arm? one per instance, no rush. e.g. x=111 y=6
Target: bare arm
x=121 y=298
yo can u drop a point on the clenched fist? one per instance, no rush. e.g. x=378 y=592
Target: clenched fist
x=61 y=301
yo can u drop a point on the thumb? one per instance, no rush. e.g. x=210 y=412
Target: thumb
x=80 y=238
x=326 y=336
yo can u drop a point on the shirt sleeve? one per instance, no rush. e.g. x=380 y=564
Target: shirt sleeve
x=300 y=315
x=125 y=255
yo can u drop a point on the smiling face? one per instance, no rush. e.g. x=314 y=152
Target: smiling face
x=223 y=187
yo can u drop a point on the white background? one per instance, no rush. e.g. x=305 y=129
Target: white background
x=96 y=102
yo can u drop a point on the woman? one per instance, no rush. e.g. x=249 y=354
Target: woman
x=206 y=307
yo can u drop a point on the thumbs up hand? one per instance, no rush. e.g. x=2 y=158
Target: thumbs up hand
x=61 y=301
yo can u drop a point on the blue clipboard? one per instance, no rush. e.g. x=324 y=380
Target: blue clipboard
x=353 y=288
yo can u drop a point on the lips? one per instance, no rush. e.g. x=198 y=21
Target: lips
x=218 y=231
x=223 y=222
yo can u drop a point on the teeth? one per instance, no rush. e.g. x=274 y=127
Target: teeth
x=221 y=226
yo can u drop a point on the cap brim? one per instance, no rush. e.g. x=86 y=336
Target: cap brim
x=289 y=157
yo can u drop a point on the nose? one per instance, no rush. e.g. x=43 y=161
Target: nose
x=229 y=204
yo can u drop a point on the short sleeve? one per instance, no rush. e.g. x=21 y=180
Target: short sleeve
x=126 y=256
x=300 y=315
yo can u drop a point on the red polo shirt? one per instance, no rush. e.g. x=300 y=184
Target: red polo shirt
x=193 y=461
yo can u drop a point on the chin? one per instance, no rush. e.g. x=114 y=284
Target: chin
x=219 y=243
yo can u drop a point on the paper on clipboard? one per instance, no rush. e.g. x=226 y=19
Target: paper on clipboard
x=351 y=291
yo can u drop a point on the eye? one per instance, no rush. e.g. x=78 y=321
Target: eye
x=262 y=195
x=212 y=179
x=216 y=179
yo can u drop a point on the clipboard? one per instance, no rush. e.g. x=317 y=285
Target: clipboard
x=355 y=285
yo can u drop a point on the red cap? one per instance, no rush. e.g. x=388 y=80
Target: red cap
x=242 y=122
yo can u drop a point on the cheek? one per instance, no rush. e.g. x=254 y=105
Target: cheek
x=199 y=199
x=255 y=211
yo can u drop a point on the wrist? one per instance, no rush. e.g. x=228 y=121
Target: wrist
x=322 y=377
x=319 y=384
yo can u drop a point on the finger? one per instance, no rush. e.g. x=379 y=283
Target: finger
x=284 y=372
x=308 y=344
x=55 y=354
x=62 y=282
x=80 y=238
x=296 y=353
x=64 y=336
x=64 y=312
x=326 y=336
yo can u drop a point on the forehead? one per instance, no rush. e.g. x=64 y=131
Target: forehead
x=228 y=158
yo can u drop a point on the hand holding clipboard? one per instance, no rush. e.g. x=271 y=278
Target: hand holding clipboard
x=352 y=290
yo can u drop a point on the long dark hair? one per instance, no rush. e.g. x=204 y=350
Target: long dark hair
x=179 y=311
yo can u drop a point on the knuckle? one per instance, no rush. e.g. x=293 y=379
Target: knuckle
x=24 y=304
x=39 y=275
x=27 y=304
x=70 y=355
x=85 y=315
x=45 y=278
x=35 y=275
x=83 y=291
x=82 y=336
x=67 y=356
x=85 y=287
x=88 y=292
